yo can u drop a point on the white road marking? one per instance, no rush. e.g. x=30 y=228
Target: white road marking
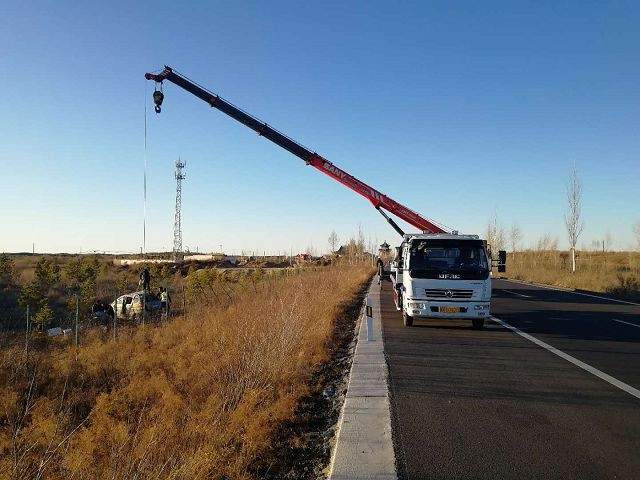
x=559 y=289
x=518 y=294
x=626 y=323
x=600 y=374
x=604 y=298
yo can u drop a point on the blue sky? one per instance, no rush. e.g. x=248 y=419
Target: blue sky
x=456 y=109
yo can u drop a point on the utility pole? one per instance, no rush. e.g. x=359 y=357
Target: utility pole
x=177 y=225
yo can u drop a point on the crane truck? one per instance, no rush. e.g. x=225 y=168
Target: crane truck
x=436 y=273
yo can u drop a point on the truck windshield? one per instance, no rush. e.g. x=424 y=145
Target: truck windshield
x=452 y=259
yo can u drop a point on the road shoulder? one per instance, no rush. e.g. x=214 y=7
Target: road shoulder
x=364 y=449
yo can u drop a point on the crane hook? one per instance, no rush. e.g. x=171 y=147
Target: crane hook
x=158 y=97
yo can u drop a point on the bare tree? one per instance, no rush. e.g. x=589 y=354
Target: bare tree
x=573 y=217
x=515 y=235
x=360 y=239
x=547 y=243
x=636 y=234
x=495 y=234
x=333 y=240
x=310 y=250
x=546 y=247
x=607 y=243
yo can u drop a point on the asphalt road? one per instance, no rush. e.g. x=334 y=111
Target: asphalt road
x=492 y=404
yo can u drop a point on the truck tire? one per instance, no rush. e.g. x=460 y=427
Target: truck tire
x=407 y=319
x=478 y=323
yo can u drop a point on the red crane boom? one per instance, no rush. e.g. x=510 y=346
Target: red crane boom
x=377 y=199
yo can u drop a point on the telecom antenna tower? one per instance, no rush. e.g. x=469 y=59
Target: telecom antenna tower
x=177 y=226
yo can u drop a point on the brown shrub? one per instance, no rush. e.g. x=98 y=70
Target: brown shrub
x=198 y=397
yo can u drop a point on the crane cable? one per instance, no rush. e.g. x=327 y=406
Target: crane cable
x=144 y=202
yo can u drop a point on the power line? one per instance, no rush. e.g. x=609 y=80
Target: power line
x=144 y=203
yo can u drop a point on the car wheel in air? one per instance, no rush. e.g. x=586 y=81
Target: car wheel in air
x=478 y=323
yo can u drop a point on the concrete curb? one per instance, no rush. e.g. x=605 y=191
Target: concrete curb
x=364 y=449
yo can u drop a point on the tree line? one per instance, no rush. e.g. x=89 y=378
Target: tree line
x=501 y=239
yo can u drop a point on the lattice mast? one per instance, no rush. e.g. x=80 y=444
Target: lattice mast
x=177 y=225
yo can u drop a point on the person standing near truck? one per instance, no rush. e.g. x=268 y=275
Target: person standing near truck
x=380 y=269
x=383 y=257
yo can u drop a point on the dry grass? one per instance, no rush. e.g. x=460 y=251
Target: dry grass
x=615 y=273
x=199 y=397
x=25 y=263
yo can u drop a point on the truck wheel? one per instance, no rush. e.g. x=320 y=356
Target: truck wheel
x=407 y=319
x=478 y=323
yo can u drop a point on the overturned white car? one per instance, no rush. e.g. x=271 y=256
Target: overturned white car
x=131 y=305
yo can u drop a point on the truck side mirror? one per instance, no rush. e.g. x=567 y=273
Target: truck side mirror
x=502 y=261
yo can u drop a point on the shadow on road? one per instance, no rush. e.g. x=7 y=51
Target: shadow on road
x=428 y=324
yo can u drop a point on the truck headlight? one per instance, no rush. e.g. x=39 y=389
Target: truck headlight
x=417 y=305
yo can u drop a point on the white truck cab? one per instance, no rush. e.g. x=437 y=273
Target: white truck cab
x=442 y=276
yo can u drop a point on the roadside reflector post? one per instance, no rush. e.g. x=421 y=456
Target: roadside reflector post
x=369 y=317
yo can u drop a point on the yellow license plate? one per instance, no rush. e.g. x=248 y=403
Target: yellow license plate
x=450 y=309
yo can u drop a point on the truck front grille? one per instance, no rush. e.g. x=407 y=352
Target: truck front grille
x=448 y=293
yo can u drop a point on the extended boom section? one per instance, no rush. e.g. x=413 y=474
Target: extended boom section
x=377 y=199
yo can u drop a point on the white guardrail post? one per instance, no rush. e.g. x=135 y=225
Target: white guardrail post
x=369 y=316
